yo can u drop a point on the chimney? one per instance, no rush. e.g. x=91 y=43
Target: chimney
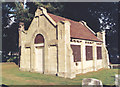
x=101 y=36
x=21 y=29
x=21 y=26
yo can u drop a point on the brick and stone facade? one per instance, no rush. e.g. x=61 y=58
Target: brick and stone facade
x=53 y=54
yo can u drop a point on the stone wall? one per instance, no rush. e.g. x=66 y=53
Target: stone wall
x=84 y=65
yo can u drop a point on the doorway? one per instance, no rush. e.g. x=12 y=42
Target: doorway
x=39 y=53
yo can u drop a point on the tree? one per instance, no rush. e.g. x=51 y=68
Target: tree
x=16 y=12
x=107 y=14
x=8 y=31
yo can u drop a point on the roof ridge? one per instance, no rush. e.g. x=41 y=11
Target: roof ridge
x=64 y=17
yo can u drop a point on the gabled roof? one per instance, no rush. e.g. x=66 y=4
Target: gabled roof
x=77 y=30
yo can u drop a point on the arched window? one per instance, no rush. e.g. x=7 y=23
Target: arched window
x=39 y=39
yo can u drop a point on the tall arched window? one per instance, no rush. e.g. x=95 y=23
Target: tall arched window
x=39 y=39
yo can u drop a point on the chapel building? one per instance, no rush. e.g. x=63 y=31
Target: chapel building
x=60 y=46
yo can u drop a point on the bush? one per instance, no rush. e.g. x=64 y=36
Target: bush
x=10 y=58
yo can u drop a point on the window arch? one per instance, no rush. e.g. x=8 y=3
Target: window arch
x=39 y=39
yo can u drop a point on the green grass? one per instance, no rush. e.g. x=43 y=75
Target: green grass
x=12 y=76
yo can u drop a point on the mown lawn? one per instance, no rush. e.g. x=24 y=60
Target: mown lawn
x=12 y=76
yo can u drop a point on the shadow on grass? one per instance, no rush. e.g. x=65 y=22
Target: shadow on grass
x=3 y=85
x=109 y=86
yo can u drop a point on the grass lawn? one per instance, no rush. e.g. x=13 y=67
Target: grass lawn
x=12 y=76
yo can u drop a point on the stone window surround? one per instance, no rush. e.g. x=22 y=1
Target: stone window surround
x=40 y=44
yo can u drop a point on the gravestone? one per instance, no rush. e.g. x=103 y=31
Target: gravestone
x=117 y=80
x=91 y=82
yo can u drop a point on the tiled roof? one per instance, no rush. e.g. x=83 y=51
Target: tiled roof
x=77 y=30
